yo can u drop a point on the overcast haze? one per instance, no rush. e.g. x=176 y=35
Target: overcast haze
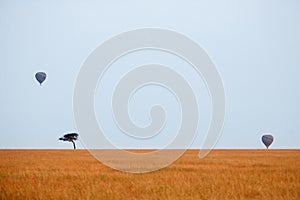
x=254 y=44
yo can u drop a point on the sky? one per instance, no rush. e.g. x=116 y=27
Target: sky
x=254 y=44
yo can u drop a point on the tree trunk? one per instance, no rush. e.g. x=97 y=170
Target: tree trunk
x=73 y=144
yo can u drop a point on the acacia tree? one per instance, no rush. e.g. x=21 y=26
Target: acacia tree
x=70 y=137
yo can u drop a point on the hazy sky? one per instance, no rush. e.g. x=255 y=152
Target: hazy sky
x=254 y=44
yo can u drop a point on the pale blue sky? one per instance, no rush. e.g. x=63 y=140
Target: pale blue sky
x=254 y=44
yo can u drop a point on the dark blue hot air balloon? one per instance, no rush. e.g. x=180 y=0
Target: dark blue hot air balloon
x=40 y=77
x=267 y=140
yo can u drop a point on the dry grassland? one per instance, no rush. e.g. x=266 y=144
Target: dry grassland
x=223 y=174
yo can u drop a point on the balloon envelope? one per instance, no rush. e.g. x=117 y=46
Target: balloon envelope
x=40 y=77
x=267 y=140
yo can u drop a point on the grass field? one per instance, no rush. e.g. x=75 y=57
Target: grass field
x=223 y=174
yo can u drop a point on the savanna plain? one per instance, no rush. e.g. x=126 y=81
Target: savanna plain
x=223 y=174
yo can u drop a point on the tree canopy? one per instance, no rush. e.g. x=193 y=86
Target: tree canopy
x=70 y=137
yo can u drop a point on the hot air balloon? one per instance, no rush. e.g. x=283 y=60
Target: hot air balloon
x=267 y=140
x=40 y=77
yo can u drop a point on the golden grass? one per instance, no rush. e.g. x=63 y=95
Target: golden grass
x=223 y=174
